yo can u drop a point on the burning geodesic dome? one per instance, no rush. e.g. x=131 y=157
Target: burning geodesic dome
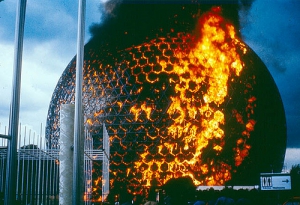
x=186 y=97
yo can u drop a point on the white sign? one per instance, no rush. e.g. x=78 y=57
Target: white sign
x=275 y=181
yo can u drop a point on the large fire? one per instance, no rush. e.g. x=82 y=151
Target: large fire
x=180 y=105
x=201 y=71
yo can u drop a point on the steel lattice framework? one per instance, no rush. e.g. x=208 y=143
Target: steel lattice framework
x=154 y=99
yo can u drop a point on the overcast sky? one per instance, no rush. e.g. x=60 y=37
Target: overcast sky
x=271 y=28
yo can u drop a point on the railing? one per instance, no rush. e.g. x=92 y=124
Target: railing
x=38 y=171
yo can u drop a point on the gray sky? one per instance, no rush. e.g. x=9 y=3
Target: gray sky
x=270 y=28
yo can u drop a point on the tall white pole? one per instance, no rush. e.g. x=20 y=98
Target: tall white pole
x=66 y=154
x=78 y=165
x=11 y=166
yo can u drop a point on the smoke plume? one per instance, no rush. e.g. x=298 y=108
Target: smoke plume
x=131 y=22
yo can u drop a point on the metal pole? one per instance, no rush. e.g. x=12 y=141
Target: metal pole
x=39 y=169
x=23 y=196
x=78 y=124
x=19 y=168
x=11 y=168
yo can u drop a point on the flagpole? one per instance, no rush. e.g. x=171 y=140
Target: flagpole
x=11 y=166
x=78 y=124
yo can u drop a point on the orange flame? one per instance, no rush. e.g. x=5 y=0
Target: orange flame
x=205 y=64
x=210 y=61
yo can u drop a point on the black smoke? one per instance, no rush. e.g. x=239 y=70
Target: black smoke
x=132 y=22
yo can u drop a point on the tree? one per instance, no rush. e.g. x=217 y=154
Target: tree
x=295 y=178
x=181 y=190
